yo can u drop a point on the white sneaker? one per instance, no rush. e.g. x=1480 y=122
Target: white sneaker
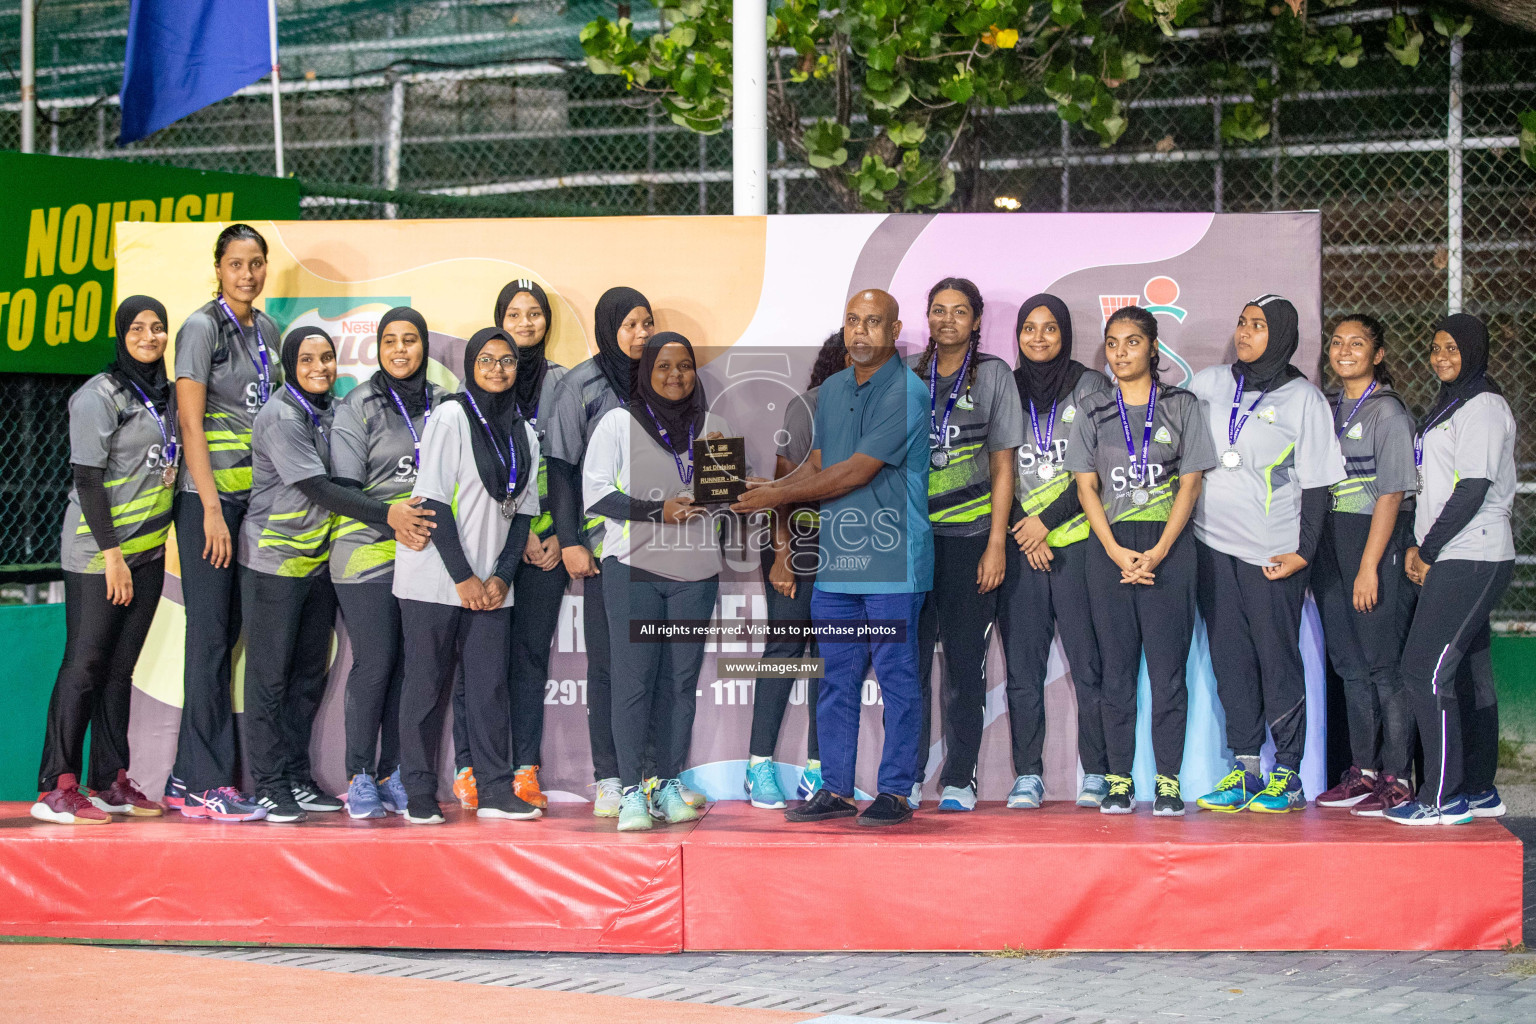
x=917 y=795
x=957 y=798
x=692 y=799
x=609 y=794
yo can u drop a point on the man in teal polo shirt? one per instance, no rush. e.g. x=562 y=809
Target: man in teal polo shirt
x=870 y=474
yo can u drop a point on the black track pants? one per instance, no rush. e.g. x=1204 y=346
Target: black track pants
x=1457 y=711
x=536 y=599
x=1254 y=627
x=1033 y=606
x=1135 y=620
x=954 y=612
x=372 y=615
x=437 y=638
x=646 y=675
x=94 y=687
x=207 y=745
x=770 y=694
x=1365 y=648
x=288 y=640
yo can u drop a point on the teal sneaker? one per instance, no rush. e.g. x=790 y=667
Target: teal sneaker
x=810 y=781
x=672 y=804
x=634 y=812
x=1233 y=793
x=1027 y=792
x=1095 y=789
x=762 y=786
x=1283 y=794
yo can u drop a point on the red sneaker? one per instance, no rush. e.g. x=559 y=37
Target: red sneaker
x=66 y=805
x=1388 y=793
x=124 y=798
x=1353 y=787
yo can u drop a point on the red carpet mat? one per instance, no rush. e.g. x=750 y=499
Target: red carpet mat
x=568 y=881
x=1067 y=878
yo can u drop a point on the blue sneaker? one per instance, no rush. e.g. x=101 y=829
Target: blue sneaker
x=1486 y=805
x=762 y=786
x=958 y=798
x=1455 y=812
x=674 y=807
x=363 y=798
x=810 y=781
x=1232 y=793
x=1283 y=794
x=634 y=810
x=1029 y=790
x=392 y=794
x=1095 y=789
x=175 y=793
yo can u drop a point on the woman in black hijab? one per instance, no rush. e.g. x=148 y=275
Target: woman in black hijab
x=1463 y=561
x=479 y=461
x=1045 y=588
x=523 y=310
x=123 y=450
x=661 y=562
x=1260 y=515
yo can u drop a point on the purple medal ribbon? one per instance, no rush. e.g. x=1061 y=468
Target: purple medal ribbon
x=314 y=415
x=263 y=368
x=511 y=448
x=168 y=446
x=415 y=437
x=1345 y=425
x=936 y=429
x=1138 y=465
x=1418 y=440
x=1235 y=425
x=1042 y=442
x=685 y=475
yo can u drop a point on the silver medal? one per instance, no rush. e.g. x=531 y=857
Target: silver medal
x=508 y=507
x=1140 y=496
x=938 y=458
x=1231 y=459
x=1045 y=470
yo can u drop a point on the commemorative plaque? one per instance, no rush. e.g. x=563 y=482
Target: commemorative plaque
x=720 y=470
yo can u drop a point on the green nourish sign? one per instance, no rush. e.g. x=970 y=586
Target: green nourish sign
x=57 y=239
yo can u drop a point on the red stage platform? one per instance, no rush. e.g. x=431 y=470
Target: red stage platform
x=1060 y=878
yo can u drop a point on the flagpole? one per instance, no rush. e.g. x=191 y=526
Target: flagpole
x=28 y=76
x=277 y=98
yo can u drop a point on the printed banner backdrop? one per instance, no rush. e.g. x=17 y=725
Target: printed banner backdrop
x=756 y=296
x=57 y=217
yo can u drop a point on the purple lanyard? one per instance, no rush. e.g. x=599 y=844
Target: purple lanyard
x=1345 y=425
x=314 y=415
x=1418 y=439
x=1041 y=442
x=1235 y=425
x=167 y=434
x=941 y=431
x=685 y=475
x=1138 y=465
x=415 y=437
x=263 y=368
x=511 y=447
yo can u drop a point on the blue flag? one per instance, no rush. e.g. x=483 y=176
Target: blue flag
x=185 y=54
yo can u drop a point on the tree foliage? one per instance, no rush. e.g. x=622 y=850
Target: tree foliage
x=898 y=84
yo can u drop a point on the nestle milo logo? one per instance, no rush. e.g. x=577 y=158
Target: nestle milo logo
x=351 y=321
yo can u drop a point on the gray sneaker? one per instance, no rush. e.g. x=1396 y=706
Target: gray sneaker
x=609 y=796
x=1027 y=792
x=1095 y=789
x=957 y=798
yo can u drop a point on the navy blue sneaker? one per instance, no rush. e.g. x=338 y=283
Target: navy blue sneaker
x=363 y=798
x=1452 y=812
x=392 y=794
x=175 y=793
x=1233 y=793
x=1486 y=805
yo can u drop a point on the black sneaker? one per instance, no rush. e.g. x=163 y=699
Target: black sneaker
x=822 y=806
x=501 y=802
x=1121 y=798
x=310 y=797
x=281 y=807
x=1169 y=804
x=888 y=809
x=423 y=810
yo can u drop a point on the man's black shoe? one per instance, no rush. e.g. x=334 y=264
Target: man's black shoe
x=822 y=806
x=888 y=809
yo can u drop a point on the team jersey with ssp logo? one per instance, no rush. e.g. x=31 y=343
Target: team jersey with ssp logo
x=1377 y=444
x=543 y=524
x=986 y=419
x=1036 y=495
x=1180 y=443
x=111 y=430
x=370 y=443
x=1475 y=442
x=582 y=398
x=284 y=533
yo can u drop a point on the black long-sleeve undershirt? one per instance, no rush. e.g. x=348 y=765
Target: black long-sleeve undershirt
x=334 y=496
x=1314 y=511
x=1466 y=498
x=512 y=550
x=565 y=501
x=1062 y=509
x=622 y=506
x=450 y=548
x=90 y=488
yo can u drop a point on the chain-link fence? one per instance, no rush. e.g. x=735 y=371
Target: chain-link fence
x=484 y=109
